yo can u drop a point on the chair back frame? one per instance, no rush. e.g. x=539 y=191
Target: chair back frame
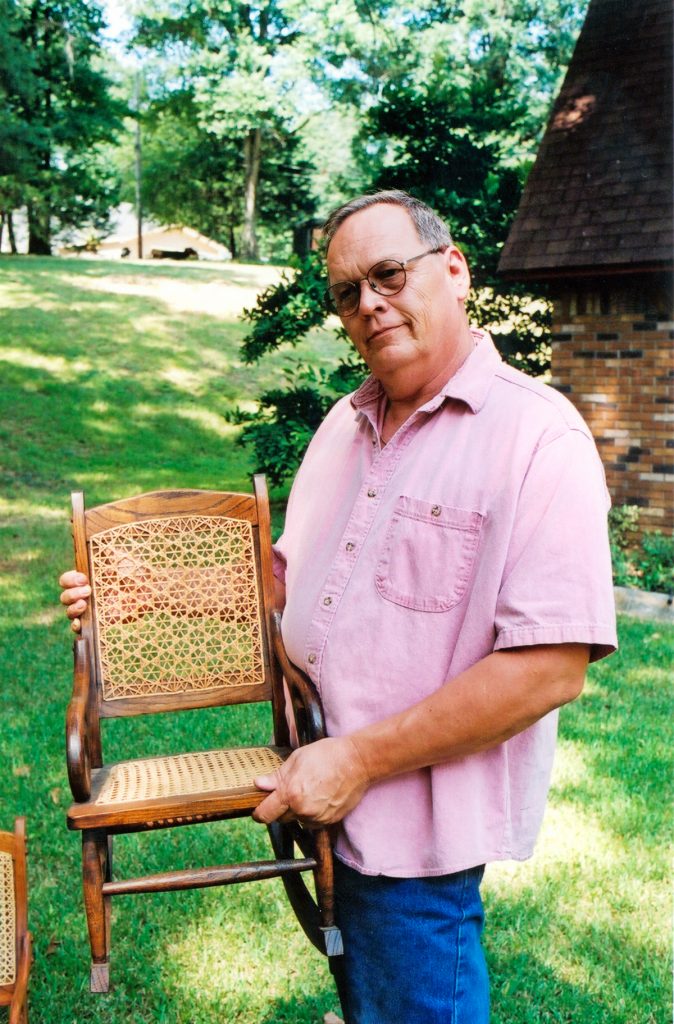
x=184 y=505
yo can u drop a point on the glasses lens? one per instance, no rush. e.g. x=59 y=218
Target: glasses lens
x=343 y=297
x=387 y=277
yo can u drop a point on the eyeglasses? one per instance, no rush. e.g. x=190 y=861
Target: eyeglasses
x=388 y=277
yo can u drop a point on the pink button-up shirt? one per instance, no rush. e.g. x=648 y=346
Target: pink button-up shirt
x=481 y=525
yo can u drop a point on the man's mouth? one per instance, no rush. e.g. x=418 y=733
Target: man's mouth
x=381 y=331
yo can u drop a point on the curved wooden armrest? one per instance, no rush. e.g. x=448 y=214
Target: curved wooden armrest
x=306 y=703
x=21 y=983
x=77 y=737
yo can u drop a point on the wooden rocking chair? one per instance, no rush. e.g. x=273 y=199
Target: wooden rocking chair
x=182 y=617
x=15 y=939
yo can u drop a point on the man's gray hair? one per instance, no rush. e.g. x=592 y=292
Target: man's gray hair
x=430 y=228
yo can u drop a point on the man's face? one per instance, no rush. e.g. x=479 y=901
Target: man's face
x=419 y=337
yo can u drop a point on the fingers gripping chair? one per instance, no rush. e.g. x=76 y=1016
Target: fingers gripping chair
x=182 y=617
x=15 y=939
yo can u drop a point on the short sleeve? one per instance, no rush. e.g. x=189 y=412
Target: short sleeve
x=557 y=583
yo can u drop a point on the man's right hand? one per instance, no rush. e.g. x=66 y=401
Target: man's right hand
x=75 y=596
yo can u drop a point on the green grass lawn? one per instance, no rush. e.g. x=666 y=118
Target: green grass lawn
x=118 y=378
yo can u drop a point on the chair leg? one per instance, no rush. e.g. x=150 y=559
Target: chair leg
x=19 y=1014
x=325 y=893
x=107 y=900
x=95 y=868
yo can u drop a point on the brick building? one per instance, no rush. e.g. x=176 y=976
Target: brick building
x=595 y=223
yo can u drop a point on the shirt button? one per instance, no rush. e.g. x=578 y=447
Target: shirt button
x=327 y=600
x=350 y=545
x=372 y=493
x=435 y=511
x=311 y=659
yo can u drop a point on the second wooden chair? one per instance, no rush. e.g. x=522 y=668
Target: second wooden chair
x=15 y=939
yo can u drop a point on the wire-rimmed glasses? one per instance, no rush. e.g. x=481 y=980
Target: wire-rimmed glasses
x=387 y=277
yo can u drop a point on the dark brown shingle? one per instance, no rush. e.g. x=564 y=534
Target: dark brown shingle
x=600 y=192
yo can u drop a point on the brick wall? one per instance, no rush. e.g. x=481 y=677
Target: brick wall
x=613 y=356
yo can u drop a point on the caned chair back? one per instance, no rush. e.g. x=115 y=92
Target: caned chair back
x=178 y=610
x=8 y=913
x=15 y=941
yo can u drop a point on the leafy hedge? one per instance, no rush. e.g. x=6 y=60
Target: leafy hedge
x=286 y=418
x=645 y=562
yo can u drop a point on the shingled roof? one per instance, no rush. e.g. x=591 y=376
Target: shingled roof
x=599 y=197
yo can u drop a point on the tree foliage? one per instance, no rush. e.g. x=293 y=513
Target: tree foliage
x=57 y=115
x=286 y=312
x=192 y=175
x=458 y=124
x=455 y=96
x=227 y=60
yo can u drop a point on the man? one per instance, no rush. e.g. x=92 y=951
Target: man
x=445 y=575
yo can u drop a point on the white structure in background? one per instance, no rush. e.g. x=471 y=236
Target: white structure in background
x=168 y=238
x=123 y=237
x=20 y=225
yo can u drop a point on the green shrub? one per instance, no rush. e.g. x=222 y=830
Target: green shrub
x=656 y=562
x=280 y=431
x=281 y=428
x=647 y=564
x=285 y=312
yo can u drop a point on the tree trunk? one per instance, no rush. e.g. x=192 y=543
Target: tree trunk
x=251 y=161
x=10 y=233
x=138 y=151
x=39 y=242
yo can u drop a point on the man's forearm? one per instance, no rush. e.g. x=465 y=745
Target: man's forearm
x=498 y=697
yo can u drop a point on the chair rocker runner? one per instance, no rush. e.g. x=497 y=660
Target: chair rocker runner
x=182 y=617
x=15 y=939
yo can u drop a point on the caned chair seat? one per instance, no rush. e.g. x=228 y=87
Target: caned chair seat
x=191 y=785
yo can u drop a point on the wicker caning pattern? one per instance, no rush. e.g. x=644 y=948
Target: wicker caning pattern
x=155 y=778
x=7 y=921
x=177 y=606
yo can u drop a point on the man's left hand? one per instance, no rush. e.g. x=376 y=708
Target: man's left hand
x=319 y=784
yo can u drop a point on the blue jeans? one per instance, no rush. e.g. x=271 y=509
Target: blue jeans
x=412 y=952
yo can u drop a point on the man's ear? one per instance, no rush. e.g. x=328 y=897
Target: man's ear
x=457 y=268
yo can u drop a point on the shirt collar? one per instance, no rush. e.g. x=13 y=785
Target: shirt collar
x=470 y=384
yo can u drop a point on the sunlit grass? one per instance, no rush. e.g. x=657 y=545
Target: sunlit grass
x=112 y=381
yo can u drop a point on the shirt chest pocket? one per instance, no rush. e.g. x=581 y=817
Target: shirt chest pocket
x=428 y=555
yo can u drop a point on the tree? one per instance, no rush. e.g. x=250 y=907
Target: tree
x=18 y=139
x=59 y=112
x=453 y=117
x=194 y=176
x=231 y=58
x=459 y=123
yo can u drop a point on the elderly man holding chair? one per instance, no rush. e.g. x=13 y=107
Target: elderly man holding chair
x=445 y=576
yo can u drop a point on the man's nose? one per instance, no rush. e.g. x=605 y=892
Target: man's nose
x=370 y=299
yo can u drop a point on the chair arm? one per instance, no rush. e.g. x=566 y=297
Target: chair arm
x=21 y=984
x=304 y=698
x=77 y=737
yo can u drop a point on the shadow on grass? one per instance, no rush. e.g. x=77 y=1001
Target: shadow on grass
x=548 y=963
x=623 y=726
x=44 y=268
x=153 y=400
